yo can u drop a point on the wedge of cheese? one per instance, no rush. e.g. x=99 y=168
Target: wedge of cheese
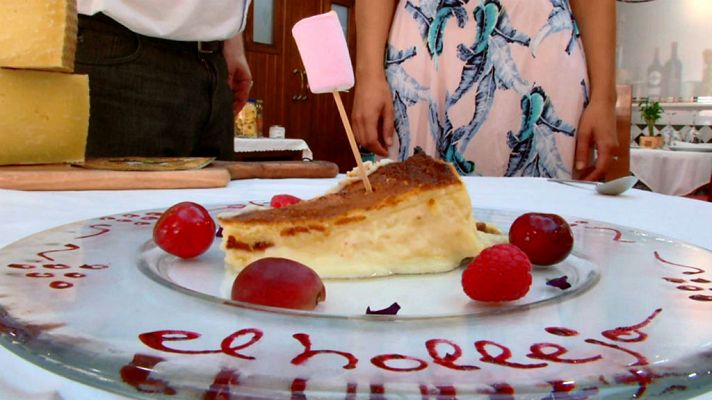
x=38 y=34
x=44 y=117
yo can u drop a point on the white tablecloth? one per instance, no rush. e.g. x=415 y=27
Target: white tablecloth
x=251 y=145
x=671 y=172
x=25 y=213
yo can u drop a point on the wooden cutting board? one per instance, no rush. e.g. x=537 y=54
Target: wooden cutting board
x=58 y=177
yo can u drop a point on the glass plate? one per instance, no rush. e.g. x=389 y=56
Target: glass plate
x=97 y=302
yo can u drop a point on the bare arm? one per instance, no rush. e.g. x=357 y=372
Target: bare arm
x=239 y=76
x=373 y=106
x=597 y=127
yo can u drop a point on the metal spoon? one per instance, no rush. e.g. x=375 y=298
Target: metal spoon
x=612 y=188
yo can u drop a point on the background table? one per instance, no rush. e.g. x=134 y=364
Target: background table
x=26 y=213
x=671 y=172
x=248 y=149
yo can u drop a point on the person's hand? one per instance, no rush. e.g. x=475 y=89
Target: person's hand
x=372 y=115
x=597 y=129
x=239 y=76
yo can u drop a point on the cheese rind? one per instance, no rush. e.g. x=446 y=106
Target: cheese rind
x=44 y=117
x=38 y=34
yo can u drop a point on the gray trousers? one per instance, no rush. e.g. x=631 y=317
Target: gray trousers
x=153 y=97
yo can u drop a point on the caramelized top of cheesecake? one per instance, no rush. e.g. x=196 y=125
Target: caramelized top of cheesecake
x=419 y=172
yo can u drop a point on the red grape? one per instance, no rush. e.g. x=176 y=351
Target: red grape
x=185 y=230
x=545 y=238
x=279 y=282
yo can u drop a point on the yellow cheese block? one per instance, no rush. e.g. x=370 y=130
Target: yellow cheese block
x=38 y=34
x=44 y=117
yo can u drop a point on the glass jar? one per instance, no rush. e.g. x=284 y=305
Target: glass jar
x=248 y=122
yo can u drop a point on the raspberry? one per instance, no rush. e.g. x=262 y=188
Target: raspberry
x=500 y=273
x=283 y=200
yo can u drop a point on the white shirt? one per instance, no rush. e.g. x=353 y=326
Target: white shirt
x=189 y=20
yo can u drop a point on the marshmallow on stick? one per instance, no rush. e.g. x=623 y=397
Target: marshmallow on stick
x=322 y=46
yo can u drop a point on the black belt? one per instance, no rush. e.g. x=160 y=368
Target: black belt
x=209 y=47
x=104 y=22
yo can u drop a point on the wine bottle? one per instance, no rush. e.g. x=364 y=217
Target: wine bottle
x=655 y=76
x=672 y=75
x=706 y=85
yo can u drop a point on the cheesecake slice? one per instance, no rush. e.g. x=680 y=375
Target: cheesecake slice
x=417 y=220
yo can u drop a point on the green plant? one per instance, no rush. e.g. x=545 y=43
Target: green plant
x=650 y=111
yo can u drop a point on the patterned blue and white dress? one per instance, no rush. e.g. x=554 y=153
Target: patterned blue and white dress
x=494 y=86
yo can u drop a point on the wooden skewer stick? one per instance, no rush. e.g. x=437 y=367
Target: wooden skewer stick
x=352 y=141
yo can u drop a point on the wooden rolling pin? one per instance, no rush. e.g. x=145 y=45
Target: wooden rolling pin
x=66 y=177
x=279 y=169
x=218 y=174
